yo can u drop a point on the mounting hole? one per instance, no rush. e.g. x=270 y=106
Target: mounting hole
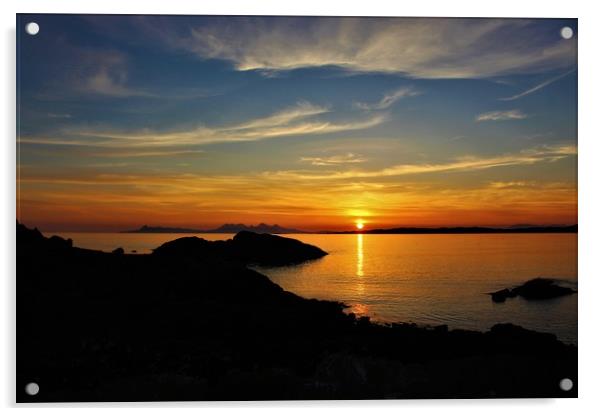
x=566 y=384
x=566 y=32
x=32 y=389
x=32 y=28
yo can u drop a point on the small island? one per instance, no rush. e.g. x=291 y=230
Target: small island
x=535 y=289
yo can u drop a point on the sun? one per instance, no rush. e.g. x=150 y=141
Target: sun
x=359 y=224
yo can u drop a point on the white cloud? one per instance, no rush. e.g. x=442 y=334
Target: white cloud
x=463 y=164
x=294 y=121
x=501 y=115
x=537 y=87
x=416 y=47
x=334 y=160
x=511 y=184
x=389 y=99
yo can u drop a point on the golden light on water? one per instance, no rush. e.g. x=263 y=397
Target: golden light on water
x=360 y=256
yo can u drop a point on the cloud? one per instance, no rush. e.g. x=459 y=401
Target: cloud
x=334 y=160
x=501 y=115
x=389 y=99
x=415 y=47
x=105 y=73
x=303 y=109
x=537 y=87
x=125 y=153
x=462 y=164
x=293 y=121
x=511 y=184
x=56 y=115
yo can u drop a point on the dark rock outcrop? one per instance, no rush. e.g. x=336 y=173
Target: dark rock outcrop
x=246 y=247
x=535 y=289
x=93 y=326
x=502 y=295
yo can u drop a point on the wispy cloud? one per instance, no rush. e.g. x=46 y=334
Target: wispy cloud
x=389 y=99
x=501 y=115
x=57 y=115
x=301 y=110
x=467 y=163
x=334 y=160
x=127 y=153
x=537 y=87
x=532 y=185
x=511 y=184
x=423 y=48
x=105 y=73
x=294 y=121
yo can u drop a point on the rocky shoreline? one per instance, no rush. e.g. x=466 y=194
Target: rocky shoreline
x=192 y=322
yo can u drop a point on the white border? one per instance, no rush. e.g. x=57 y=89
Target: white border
x=590 y=206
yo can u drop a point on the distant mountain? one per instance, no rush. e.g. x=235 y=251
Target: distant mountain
x=226 y=228
x=261 y=228
x=465 y=230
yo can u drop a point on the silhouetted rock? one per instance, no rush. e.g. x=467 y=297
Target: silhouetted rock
x=194 y=247
x=119 y=251
x=538 y=288
x=502 y=295
x=27 y=238
x=246 y=247
x=273 y=250
x=541 y=288
x=93 y=326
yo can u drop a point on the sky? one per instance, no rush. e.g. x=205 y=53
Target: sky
x=307 y=122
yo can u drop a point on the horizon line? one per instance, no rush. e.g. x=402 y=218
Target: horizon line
x=294 y=230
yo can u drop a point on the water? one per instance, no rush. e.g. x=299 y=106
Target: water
x=141 y=243
x=427 y=279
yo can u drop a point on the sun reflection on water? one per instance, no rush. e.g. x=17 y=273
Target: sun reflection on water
x=360 y=255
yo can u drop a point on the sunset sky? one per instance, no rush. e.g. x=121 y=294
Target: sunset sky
x=312 y=123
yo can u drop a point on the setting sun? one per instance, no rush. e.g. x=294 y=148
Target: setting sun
x=359 y=224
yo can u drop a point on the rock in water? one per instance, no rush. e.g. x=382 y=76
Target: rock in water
x=273 y=250
x=501 y=295
x=246 y=247
x=539 y=288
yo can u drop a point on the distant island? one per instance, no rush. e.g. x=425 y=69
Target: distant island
x=226 y=228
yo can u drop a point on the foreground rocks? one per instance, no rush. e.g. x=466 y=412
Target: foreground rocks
x=535 y=289
x=95 y=326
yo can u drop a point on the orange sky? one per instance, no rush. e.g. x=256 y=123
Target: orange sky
x=113 y=202
x=310 y=123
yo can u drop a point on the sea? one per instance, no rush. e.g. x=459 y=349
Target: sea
x=427 y=279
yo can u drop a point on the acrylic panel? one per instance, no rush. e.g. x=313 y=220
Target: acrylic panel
x=295 y=208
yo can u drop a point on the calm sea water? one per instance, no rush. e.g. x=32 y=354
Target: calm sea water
x=427 y=279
